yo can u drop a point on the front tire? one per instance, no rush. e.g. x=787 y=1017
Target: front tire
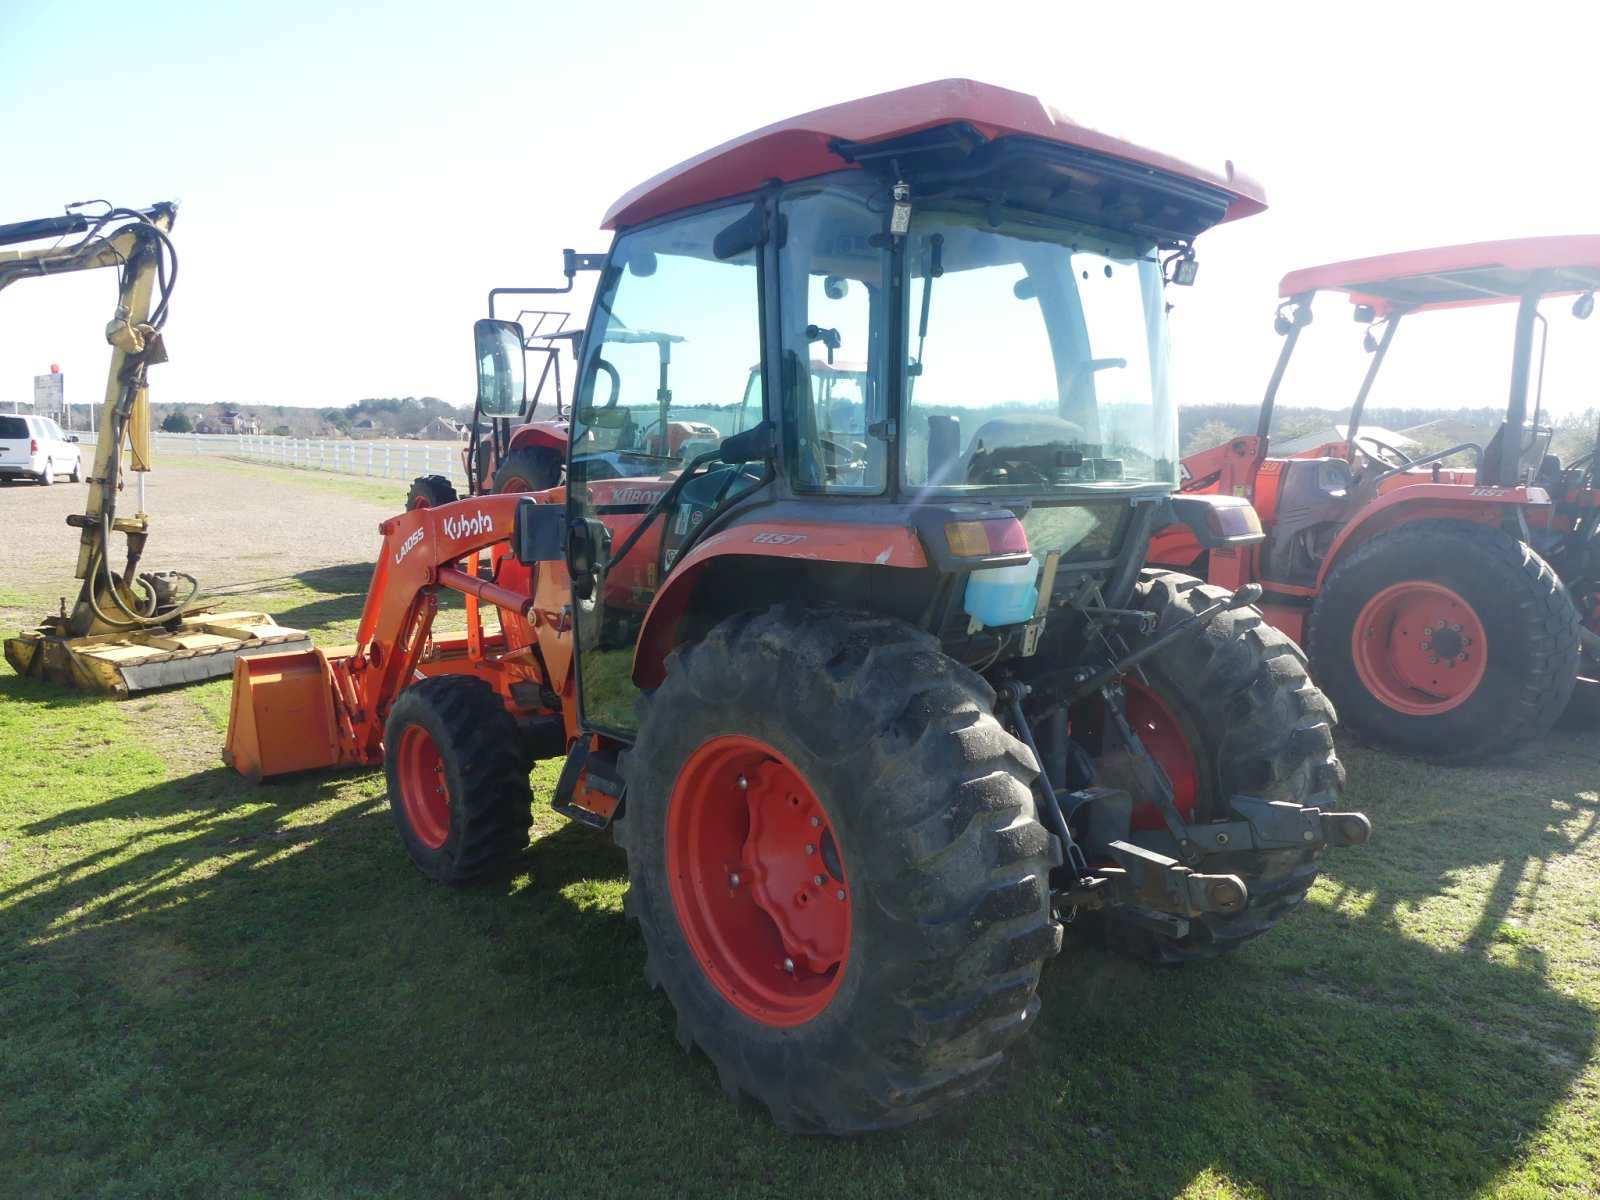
x=1446 y=639
x=430 y=491
x=458 y=785
x=1229 y=709
x=886 y=759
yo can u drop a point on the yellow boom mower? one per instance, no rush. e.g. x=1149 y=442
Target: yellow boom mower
x=129 y=631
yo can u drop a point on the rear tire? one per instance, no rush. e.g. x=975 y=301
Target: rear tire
x=937 y=843
x=458 y=785
x=1497 y=583
x=1237 y=697
x=77 y=471
x=48 y=475
x=530 y=469
x=430 y=491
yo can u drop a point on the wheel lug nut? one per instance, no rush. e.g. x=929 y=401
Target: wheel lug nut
x=839 y=895
x=1427 y=646
x=733 y=880
x=788 y=965
x=1455 y=629
x=741 y=783
x=819 y=880
x=816 y=822
x=1433 y=658
x=810 y=849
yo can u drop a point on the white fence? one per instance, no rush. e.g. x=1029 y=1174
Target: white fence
x=384 y=459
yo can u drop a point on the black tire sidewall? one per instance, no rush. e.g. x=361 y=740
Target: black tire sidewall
x=483 y=793
x=411 y=709
x=686 y=982
x=531 y=469
x=1451 y=557
x=947 y=868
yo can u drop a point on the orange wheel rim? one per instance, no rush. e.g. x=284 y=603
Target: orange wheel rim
x=424 y=790
x=1419 y=648
x=758 y=881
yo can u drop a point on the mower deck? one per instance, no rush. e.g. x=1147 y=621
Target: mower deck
x=201 y=646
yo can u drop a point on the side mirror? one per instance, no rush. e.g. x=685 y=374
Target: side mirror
x=502 y=387
x=753 y=445
x=72 y=437
x=536 y=532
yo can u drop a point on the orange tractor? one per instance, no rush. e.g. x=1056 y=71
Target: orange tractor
x=1450 y=608
x=874 y=701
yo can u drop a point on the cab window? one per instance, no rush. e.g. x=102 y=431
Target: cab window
x=834 y=428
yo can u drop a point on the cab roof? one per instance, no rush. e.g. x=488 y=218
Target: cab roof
x=807 y=145
x=1457 y=276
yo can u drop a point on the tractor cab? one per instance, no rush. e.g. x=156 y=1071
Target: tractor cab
x=957 y=326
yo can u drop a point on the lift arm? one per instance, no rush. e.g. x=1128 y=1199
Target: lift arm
x=136 y=243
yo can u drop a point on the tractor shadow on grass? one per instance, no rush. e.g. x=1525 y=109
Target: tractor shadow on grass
x=210 y=986
x=340 y=590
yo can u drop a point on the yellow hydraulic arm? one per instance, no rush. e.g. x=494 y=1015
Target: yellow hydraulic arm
x=137 y=244
x=127 y=630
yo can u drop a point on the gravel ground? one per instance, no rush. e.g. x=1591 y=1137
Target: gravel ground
x=229 y=524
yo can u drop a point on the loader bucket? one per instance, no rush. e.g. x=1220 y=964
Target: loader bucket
x=282 y=718
x=201 y=646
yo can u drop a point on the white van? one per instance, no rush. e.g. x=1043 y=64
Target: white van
x=38 y=448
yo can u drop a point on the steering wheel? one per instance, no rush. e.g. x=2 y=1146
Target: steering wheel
x=1400 y=459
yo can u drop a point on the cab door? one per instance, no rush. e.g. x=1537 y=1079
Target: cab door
x=664 y=375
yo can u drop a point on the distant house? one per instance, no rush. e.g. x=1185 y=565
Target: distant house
x=234 y=421
x=366 y=427
x=442 y=429
x=210 y=425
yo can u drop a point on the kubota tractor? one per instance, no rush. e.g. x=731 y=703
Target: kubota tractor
x=1442 y=603
x=874 y=706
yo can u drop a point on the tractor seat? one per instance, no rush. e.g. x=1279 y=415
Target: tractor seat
x=1314 y=494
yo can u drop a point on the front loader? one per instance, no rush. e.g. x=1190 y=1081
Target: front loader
x=875 y=708
x=128 y=630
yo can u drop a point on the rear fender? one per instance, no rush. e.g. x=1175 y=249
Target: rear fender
x=551 y=435
x=1431 y=501
x=890 y=547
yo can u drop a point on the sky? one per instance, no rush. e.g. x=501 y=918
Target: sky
x=353 y=179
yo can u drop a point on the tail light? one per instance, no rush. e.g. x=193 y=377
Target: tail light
x=980 y=539
x=33 y=445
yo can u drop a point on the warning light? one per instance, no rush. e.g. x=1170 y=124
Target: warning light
x=55 y=368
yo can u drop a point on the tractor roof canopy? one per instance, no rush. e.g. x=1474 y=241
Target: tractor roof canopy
x=1457 y=276
x=819 y=142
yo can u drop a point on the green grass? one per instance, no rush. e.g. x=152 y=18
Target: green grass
x=208 y=988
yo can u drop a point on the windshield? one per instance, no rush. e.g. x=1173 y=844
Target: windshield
x=1036 y=360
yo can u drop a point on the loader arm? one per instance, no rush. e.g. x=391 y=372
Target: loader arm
x=304 y=709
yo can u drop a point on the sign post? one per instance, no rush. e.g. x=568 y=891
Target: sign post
x=49 y=396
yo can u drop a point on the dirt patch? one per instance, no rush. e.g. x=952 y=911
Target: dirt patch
x=234 y=529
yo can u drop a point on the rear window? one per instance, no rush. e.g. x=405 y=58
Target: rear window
x=13 y=428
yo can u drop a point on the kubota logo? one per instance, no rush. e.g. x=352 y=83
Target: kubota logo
x=456 y=528
x=407 y=546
